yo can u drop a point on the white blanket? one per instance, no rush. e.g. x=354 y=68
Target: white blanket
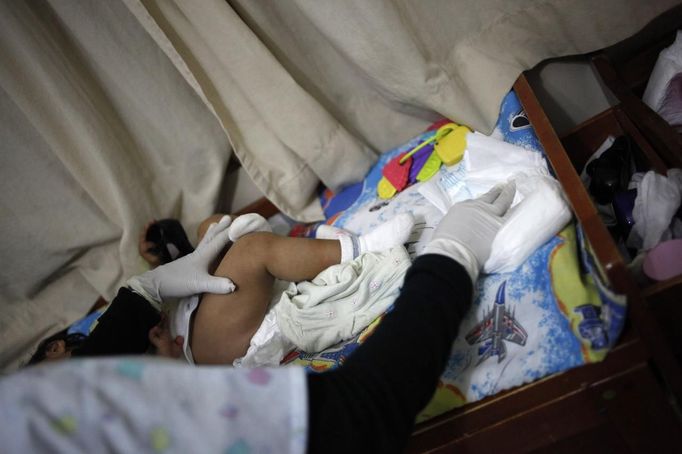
x=152 y=405
x=342 y=300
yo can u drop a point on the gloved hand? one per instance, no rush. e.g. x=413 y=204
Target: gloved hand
x=247 y=223
x=467 y=230
x=215 y=228
x=188 y=275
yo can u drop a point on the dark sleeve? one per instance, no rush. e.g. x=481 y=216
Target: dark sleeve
x=123 y=328
x=370 y=403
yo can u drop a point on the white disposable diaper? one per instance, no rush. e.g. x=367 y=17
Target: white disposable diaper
x=180 y=317
x=268 y=346
x=539 y=210
x=541 y=214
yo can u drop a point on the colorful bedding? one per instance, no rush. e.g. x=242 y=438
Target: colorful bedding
x=551 y=314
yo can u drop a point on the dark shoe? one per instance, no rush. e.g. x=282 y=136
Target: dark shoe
x=610 y=173
x=170 y=240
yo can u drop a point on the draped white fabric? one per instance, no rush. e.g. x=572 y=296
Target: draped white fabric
x=308 y=90
x=116 y=112
x=100 y=132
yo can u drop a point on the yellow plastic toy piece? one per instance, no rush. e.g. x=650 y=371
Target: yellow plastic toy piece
x=430 y=167
x=442 y=131
x=385 y=189
x=65 y=425
x=451 y=145
x=446 y=129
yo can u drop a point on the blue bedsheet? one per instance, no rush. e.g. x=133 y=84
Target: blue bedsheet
x=556 y=311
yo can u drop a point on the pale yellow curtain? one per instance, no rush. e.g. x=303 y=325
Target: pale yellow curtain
x=312 y=90
x=100 y=133
x=114 y=112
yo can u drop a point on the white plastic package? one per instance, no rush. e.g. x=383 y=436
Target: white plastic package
x=447 y=187
x=490 y=161
x=663 y=92
x=487 y=162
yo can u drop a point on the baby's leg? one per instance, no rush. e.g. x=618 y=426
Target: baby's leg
x=224 y=324
x=300 y=259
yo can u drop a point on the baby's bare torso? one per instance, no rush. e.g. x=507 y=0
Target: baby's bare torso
x=223 y=325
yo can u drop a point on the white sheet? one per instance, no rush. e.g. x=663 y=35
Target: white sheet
x=77 y=407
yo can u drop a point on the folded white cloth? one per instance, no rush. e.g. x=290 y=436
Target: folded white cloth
x=342 y=300
x=658 y=199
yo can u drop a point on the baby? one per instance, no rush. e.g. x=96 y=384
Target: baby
x=349 y=281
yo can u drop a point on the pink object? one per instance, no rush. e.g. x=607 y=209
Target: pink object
x=664 y=260
x=396 y=173
x=259 y=376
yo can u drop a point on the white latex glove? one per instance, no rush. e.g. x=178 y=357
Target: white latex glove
x=187 y=275
x=247 y=223
x=468 y=229
x=215 y=228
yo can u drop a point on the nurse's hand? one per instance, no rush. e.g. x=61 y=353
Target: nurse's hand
x=467 y=230
x=248 y=223
x=188 y=275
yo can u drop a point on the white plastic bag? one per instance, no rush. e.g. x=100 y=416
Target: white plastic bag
x=487 y=161
x=658 y=199
x=663 y=92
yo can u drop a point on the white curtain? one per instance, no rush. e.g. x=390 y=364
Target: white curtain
x=309 y=90
x=115 y=112
x=100 y=132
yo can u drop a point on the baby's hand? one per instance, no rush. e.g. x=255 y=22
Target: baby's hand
x=144 y=247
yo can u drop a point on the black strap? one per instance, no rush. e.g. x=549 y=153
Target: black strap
x=369 y=404
x=123 y=329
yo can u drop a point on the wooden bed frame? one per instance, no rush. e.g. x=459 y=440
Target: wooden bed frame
x=627 y=403
x=630 y=402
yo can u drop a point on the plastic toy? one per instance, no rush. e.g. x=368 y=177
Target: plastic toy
x=451 y=143
x=423 y=161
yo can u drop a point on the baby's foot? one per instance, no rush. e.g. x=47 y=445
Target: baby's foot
x=391 y=233
x=164 y=241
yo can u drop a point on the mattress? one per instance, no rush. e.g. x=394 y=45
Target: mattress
x=556 y=310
